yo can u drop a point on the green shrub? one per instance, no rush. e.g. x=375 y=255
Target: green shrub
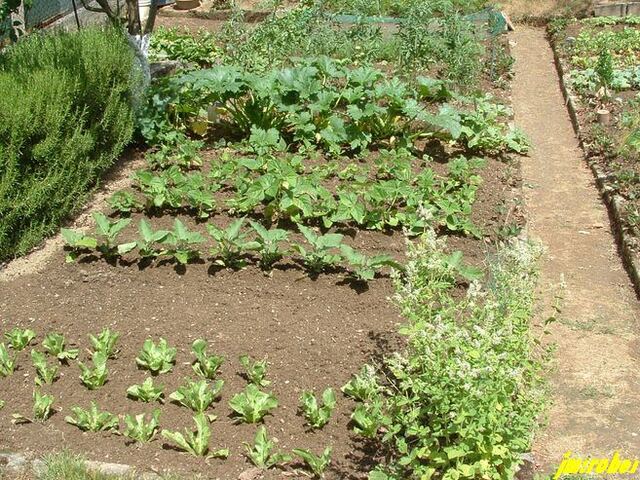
x=65 y=116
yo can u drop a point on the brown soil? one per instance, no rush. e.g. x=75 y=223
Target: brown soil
x=596 y=383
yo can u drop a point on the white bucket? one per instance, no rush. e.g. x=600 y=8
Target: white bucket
x=146 y=15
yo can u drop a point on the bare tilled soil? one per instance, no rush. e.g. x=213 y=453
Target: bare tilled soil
x=315 y=334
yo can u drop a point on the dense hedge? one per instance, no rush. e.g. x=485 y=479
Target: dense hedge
x=65 y=116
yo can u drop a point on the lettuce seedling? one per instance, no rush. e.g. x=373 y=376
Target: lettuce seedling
x=124 y=202
x=205 y=365
x=317 y=416
x=19 y=338
x=197 y=396
x=54 y=344
x=255 y=371
x=96 y=377
x=158 y=358
x=7 y=362
x=317 y=464
x=146 y=392
x=92 y=420
x=269 y=245
x=252 y=404
x=368 y=418
x=196 y=443
x=105 y=342
x=139 y=430
x=108 y=232
x=231 y=243
x=261 y=452
x=364 y=268
x=363 y=386
x=146 y=244
x=320 y=257
x=77 y=243
x=2 y=404
x=182 y=240
x=44 y=373
x=41 y=409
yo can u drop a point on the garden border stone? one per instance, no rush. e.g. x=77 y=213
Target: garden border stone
x=612 y=200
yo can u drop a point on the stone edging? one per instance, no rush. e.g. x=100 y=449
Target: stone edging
x=249 y=16
x=612 y=200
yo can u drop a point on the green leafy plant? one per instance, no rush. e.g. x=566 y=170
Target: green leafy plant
x=182 y=240
x=197 y=395
x=96 y=377
x=364 y=268
x=231 y=243
x=77 y=243
x=2 y=404
x=124 y=202
x=146 y=391
x=205 y=365
x=147 y=243
x=105 y=342
x=108 y=232
x=364 y=385
x=269 y=245
x=317 y=416
x=7 y=362
x=322 y=253
x=41 y=409
x=92 y=420
x=252 y=405
x=54 y=344
x=44 y=373
x=317 y=464
x=19 y=338
x=196 y=443
x=261 y=453
x=140 y=430
x=157 y=358
x=368 y=418
x=255 y=370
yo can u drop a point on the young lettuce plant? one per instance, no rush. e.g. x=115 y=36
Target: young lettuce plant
x=96 y=377
x=19 y=338
x=255 y=371
x=317 y=416
x=146 y=391
x=158 y=358
x=317 y=464
x=149 y=238
x=182 y=241
x=7 y=362
x=231 y=243
x=269 y=245
x=197 y=396
x=196 y=443
x=41 y=409
x=252 y=405
x=108 y=232
x=368 y=418
x=363 y=386
x=44 y=373
x=105 y=342
x=364 y=268
x=261 y=452
x=54 y=344
x=139 y=430
x=206 y=366
x=77 y=243
x=92 y=420
x=321 y=255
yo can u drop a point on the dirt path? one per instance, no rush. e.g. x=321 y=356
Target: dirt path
x=596 y=385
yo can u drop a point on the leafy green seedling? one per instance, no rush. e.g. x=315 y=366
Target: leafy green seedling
x=269 y=245
x=105 y=342
x=96 y=377
x=205 y=365
x=196 y=443
x=41 y=409
x=19 y=338
x=139 y=430
x=321 y=255
x=317 y=464
x=255 y=371
x=92 y=420
x=231 y=243
x=158 y=358
x=317 y=416
x=149 y=238
x=54 y=344
x=77 y=243
x=368 y=418
x=197 y=396
x=108 y=232
x=146 y=392
x=7 y=362
x=44 y=373
x=252 y=404
x=124 y=202
x=2 y=404
x=182 y=241
x=261 y=452
x=363 y=386
x=364 y=268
